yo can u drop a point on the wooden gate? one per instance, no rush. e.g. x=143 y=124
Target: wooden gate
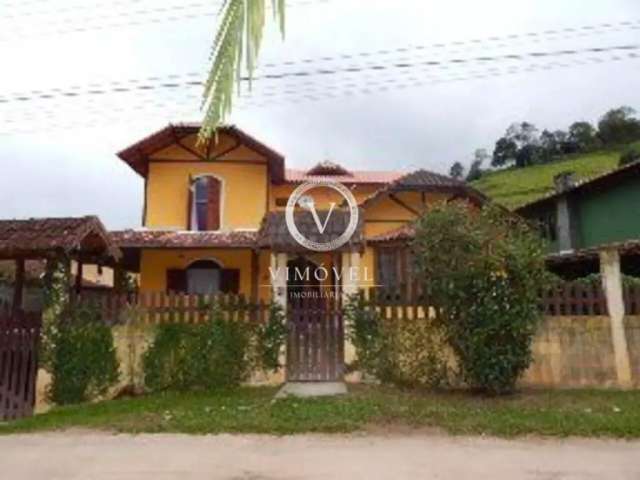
x=315 y=345
x=19 y=341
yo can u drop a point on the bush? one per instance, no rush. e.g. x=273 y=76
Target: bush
x=630 y=155
x=221 y=352
x=482 y=272
x=81 y=356
x=404 y=352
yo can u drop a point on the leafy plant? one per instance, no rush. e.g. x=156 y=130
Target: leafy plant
x=402 y=351
x=630 y=155
x=82 y=357
x=482 y=271
x=237 y=41
x=221 y=352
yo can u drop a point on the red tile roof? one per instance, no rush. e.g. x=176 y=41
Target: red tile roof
x=183 y=239
x=40 y=237
x=356 y=176
x=406 y=232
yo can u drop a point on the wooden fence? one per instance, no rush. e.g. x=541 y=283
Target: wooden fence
x=160 y=307
x=566 y=299
x=19 y=342
x=632 y=299
x=574 y=299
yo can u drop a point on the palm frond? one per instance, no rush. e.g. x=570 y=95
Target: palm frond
x=237 y=42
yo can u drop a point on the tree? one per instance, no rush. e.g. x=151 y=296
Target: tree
x=549 y=145
x=519 y=145
x=456 y=171
x=482 y=271
x=583 y=136
x=475 y=170
x=619 y=126
x=237 y=43
x=504 y=152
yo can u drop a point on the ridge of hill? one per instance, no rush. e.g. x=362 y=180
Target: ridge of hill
x=514 y=187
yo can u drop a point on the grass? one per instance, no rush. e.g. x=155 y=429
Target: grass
x=513 y=187
x=252 y=410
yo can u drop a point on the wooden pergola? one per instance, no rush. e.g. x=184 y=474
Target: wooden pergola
x=83 y=239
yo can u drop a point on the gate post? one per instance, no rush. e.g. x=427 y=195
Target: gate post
x=279 y=278
x=350 y=276
x=612 y=284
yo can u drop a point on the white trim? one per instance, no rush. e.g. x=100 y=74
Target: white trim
x=223 y=189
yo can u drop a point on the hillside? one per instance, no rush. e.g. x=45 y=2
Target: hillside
x=513 y=187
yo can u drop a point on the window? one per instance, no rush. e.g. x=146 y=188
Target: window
x=548 y=226
x=205 y=204
x=394 y=267
x=203 y=277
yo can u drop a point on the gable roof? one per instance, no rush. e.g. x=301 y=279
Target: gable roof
x=604 y=180
x=42 y=237
x=274 y=232
x=405 y=232
x=136 y=155
x=426 y=181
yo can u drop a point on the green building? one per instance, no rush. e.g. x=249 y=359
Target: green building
x=581 y=218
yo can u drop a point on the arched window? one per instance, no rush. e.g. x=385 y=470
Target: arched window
x=203 y=277
x=205 y=203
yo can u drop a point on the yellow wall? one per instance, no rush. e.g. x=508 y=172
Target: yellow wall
x=322 y=196
x=155 y=263
x=244 y=185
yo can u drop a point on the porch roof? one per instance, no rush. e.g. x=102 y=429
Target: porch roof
x=84 y=238
x=274 y=232
x=629 y=247
x=404 y=233
x=127 y=239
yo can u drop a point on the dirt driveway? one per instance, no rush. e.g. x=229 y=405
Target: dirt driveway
x=97 y=456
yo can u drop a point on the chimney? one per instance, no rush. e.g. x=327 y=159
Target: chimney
x=564 y=181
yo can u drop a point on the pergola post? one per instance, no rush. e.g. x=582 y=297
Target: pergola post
x=612 y=284
x=18 y=286
x=78 y=279
x=279 y=278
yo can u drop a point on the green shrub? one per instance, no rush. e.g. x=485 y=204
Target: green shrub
x=406 y=352
x=81 y=356
x=482 y=272
x=221 y=352
x=632 y=154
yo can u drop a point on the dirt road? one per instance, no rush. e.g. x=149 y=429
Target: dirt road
x=87 y=455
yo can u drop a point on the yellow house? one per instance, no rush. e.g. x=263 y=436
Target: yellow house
x=214 y=219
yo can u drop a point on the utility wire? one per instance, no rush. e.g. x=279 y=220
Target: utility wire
x=478 y=42
x=385 y=86
x=139 y=18
x=323 y=72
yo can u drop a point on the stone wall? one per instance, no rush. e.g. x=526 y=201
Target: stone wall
x=578 y=352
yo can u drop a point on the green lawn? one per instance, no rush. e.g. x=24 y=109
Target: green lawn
x=253 y=410
x=516 y=186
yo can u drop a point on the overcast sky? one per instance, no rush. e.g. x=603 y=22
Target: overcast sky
x=58 y=156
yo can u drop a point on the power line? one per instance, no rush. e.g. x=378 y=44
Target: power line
x=323 y=72
x=140 y=18
x=478 y=42
x=401 y=83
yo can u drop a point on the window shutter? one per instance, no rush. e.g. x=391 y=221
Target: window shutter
x=176 y=280
x=230 y=281
x=190 y=225
x=213 y=204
